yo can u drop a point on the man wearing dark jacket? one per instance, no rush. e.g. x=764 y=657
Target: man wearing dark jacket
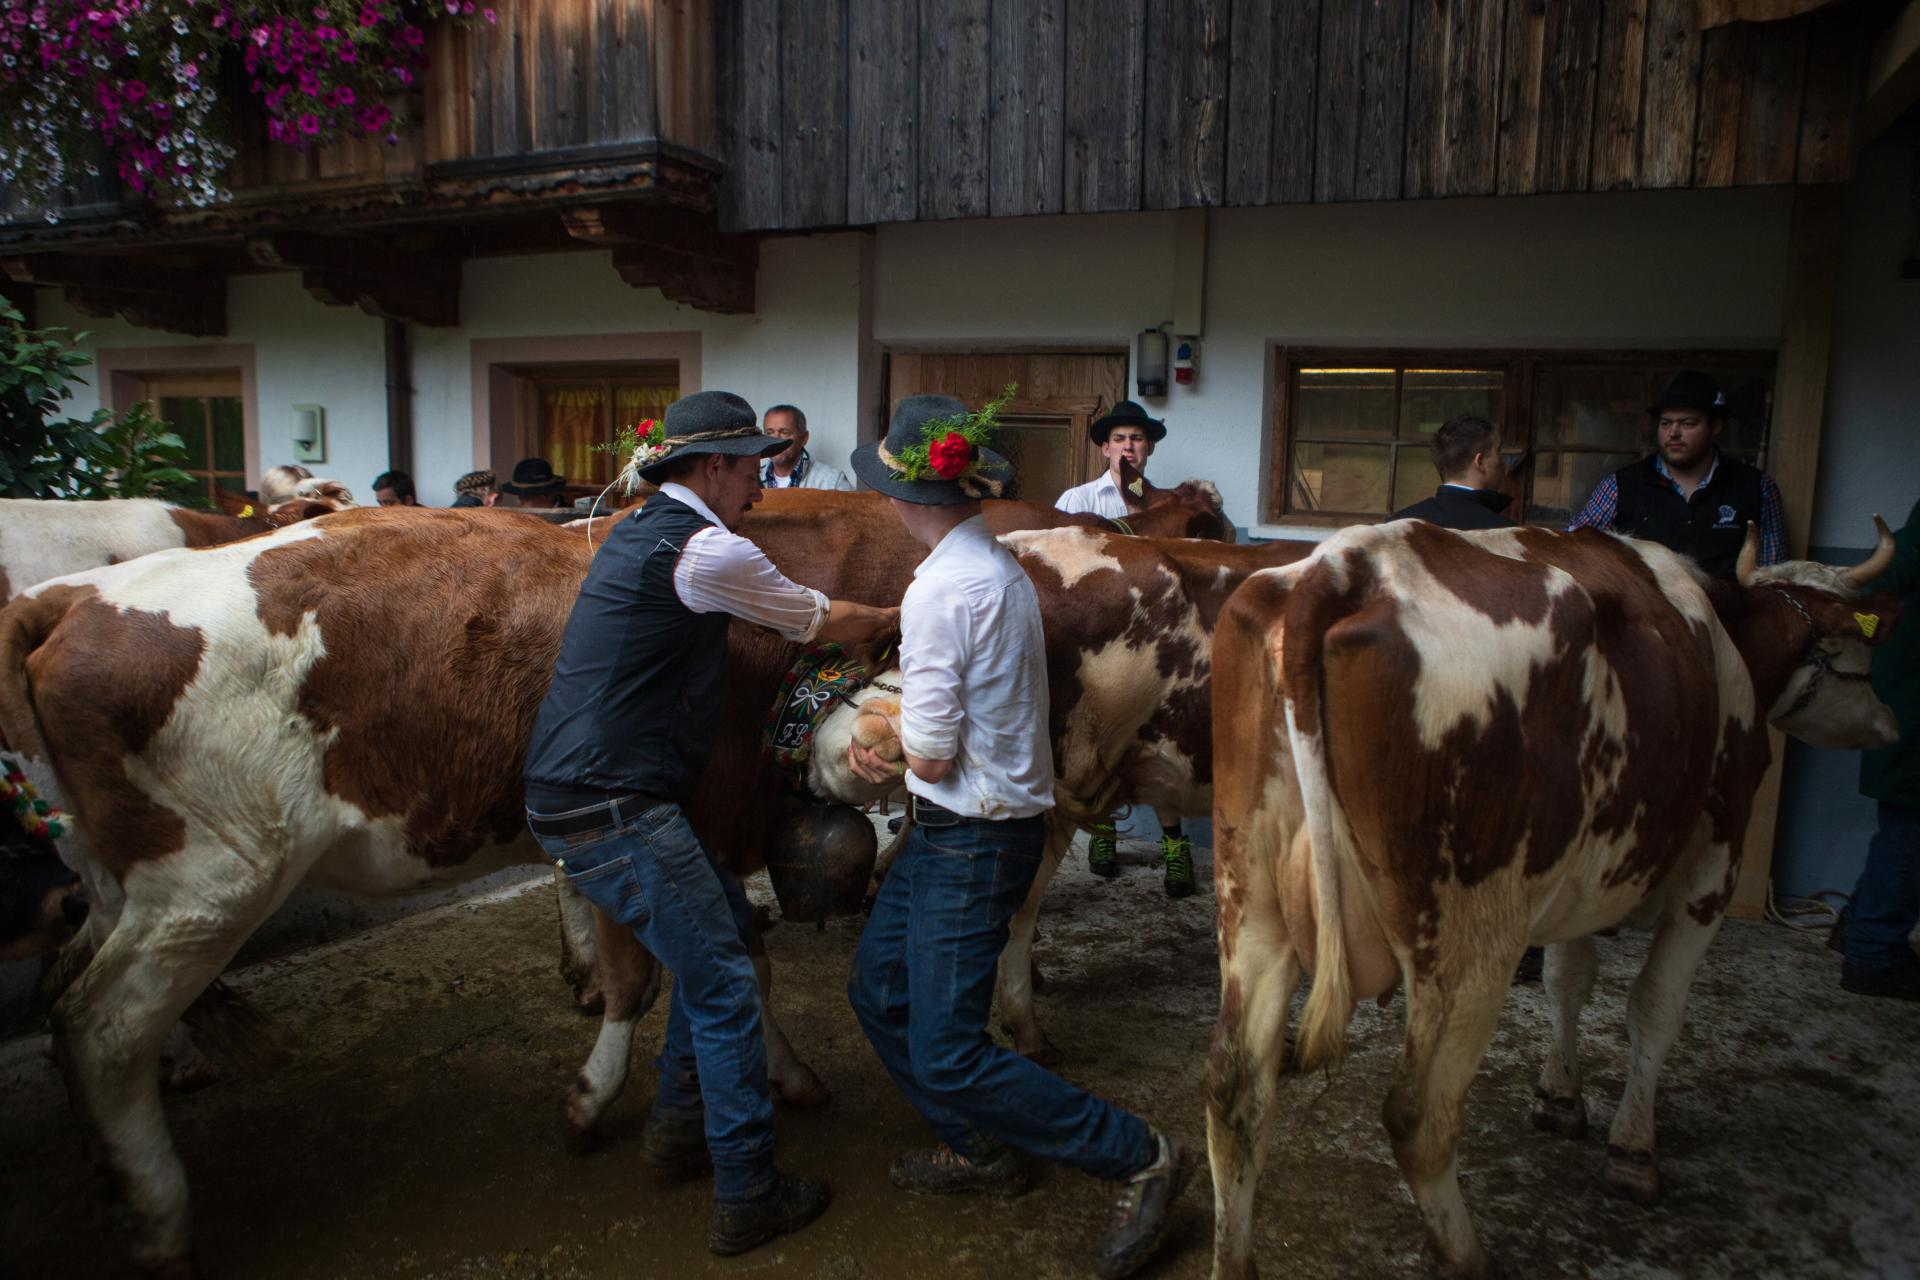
x=1686 y=495
x=1466 y=453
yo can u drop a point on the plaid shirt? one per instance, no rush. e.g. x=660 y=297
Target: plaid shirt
x=1604 y=506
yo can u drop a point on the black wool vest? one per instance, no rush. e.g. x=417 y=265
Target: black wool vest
x=641 y=680
x=1710 y=526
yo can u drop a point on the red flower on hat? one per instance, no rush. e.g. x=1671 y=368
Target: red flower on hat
x=949 y=455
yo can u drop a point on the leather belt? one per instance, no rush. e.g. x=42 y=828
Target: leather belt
x=928 y=814
x=612 y=813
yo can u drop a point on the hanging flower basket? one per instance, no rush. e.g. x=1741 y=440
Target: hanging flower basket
x=136 y=86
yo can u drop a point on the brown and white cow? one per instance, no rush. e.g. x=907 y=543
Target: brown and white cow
x=1434 y=749
x=41 y=538
x=1129 y=628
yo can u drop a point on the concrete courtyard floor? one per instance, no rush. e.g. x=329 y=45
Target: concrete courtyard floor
x=418 y=1132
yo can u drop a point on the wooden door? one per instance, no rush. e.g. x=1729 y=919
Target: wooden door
x=1044 y=431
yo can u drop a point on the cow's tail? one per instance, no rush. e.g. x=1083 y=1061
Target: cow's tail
x=25 y=625
x=1323 y=1023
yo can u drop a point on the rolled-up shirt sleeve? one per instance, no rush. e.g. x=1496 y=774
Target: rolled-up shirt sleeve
x=722 y=572
x=934 y=643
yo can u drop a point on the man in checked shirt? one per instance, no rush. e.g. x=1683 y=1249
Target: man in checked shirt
x=979 y=764
x=1687 y=496
x=617 y=749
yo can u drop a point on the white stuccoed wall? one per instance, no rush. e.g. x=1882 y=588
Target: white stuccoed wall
x=801 y=347
x=1635 y=269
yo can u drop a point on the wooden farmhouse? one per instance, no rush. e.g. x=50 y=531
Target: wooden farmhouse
x=1356 y=218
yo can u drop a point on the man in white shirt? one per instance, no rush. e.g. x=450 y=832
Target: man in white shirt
x=979 y=769
x=617 y=748
x=793 y=467
x=1124 y=432
x=1127 y=434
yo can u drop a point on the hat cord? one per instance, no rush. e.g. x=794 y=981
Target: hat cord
x=973 y=484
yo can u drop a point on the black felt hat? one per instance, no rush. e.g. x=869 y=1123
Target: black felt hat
x=874 y=463
x=532 y=477
x=1691 y=390
x=711 y=422
x=1127 y=414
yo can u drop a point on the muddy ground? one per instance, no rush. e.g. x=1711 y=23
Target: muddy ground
x=418 y=1132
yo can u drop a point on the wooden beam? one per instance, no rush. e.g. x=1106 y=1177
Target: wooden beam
x=1893 y=75
x=149 y=295
x=1793 y=455
x=672 y=249
x=421 y=288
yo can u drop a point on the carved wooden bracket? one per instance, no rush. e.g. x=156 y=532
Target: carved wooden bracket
x=383 y=281
x=151 y=296
x=675 y=250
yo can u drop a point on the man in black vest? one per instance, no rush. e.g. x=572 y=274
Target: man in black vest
x=617 y=749
x=1686 y=495
x=1466 y=453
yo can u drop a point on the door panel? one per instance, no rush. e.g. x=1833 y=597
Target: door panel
x=1059 y=396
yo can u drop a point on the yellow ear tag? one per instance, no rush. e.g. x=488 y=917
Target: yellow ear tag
x=1868 y=623
x=246 y=511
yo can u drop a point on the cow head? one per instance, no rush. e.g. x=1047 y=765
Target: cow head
x=1828 y=700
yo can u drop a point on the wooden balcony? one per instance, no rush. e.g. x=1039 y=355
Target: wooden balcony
x=569 y=124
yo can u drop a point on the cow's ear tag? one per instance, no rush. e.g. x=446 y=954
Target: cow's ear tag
x=246 y=512
x=1868 y=623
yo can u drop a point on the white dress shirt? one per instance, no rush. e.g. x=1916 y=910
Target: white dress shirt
x=973 y=675
x=721 y=572
x=1102 y=497
x=810 y=472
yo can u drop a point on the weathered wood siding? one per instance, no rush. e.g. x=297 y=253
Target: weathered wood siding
x=847 y=112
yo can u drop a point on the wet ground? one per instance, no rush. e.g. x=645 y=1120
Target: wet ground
x=418 y=1132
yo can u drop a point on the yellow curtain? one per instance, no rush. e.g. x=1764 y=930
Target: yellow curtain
x=572 y=421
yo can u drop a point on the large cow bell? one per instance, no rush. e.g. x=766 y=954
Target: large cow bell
x=822 y=861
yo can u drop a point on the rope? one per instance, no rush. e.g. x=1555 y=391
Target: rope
x=36 y=817
x=1804 y=915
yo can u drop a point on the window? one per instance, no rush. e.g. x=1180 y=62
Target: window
x=1354 y=427
x=569 y=410
x=204 y=410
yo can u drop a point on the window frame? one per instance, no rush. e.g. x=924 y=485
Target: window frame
x=1518 y=367
x=204 y=385
x=533 y=381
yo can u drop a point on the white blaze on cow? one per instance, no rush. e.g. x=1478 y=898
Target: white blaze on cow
x=1433 y=749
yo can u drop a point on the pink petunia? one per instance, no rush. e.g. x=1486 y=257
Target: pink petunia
x=309 y=123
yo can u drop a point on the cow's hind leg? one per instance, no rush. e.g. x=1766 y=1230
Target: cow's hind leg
x=1448 y=1027
x=1655 y=1008
x=792 y=1080
x=1258 y=973
x=1558 y=1107
x=630 y=976
x=577 y=963
x=1016 y=959
x=111 y=1024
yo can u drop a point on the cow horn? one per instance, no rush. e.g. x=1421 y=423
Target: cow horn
x=1749 y=556
x=1876 y=564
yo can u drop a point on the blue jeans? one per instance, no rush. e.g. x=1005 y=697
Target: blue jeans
x=1886 y=899
x=648 y=872
x=922 y=987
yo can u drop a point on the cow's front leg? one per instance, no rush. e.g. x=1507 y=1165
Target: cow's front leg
x=1558 y=1107
x=1016 y=959
x=630 y=977
x=1656 y=1006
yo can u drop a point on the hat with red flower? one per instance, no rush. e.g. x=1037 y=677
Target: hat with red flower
x=935 y=453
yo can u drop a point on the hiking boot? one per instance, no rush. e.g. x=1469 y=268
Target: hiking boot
x=1138 y=1218
x=675 y=1143
x=1899 y=981
x=1533 y=965
x=1177 y=851
x=942 y=1171
x=1103 y=851
x=791 y=1203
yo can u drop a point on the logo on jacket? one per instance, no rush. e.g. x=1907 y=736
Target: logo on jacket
x=1726 y=520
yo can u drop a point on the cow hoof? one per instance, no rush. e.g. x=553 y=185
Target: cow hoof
x=1563 y=1117
x=1041 y=1052
x=1632 y=1175
x=806 y=1092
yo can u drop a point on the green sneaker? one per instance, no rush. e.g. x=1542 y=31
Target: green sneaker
x=1178 y=852
x=1103 y=852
